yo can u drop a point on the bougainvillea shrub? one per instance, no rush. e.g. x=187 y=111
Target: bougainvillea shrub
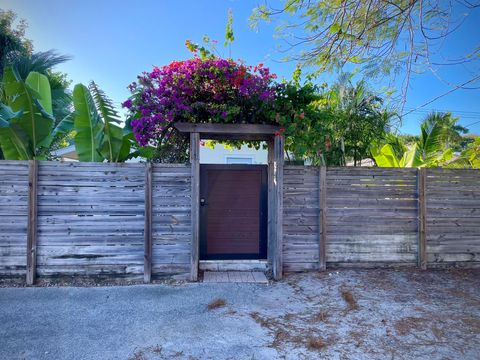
x=209 y=89
x=199 y=90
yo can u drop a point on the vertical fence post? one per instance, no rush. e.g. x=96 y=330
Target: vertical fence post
x=322 y=230
x=277 y=224
x=147 y=257
x=422 y=218
x=270 y=222
x=195 y=164
x=32 y=222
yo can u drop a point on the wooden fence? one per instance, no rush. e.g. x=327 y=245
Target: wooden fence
x=377 y=216
x=13 y=217
x=135 y=220
x=127 y=220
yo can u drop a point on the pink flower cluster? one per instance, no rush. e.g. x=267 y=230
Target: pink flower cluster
x=199 y=90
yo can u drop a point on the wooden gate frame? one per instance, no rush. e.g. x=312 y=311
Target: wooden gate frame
x=258 y=132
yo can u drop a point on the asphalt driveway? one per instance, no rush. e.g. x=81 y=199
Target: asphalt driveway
x=367 y=314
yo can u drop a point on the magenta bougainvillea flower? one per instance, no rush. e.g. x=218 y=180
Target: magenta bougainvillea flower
x=199 y=90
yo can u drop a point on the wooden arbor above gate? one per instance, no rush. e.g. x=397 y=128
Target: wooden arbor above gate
x=257 y=132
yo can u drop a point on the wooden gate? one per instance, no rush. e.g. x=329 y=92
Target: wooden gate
x=233 y=212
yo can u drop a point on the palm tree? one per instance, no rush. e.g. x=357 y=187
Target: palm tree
x=437 y=131
x=43 y=62
x=360 y=117
x=451 y=131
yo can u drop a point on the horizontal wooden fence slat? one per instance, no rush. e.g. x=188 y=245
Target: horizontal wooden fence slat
x=171 y=221
x=100 y=187
x=13 y=217
x=453 y=217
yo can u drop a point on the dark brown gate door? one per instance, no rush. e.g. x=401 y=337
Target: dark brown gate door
x=233 y=212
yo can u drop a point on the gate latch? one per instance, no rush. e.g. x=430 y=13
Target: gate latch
x=202 y=202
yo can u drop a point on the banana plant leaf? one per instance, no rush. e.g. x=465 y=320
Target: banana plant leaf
x=384 y=156
x=411 y=157
x=35 y=120
x=114 y=143
x=65 y=125
x=13 y=140
x=88 y=125
x=40 y=84
x=113 y=134
x=124 y=153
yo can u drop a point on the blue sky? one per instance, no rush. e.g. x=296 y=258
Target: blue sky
x=111 y=42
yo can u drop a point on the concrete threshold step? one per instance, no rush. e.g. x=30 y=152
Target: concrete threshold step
x=257 y=277
x=233 y=265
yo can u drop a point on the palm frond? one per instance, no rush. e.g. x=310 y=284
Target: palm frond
x=40 y=62
x=432 y=139
x=114 y=139
x=104 y=104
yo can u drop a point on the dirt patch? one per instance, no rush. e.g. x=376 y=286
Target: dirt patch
x=316 y=343
x=349 y=299
x=138 y=355
x=321 y=316
x=358 y=337
x=282 y=330
x=409 y=324
x=473 y=323
x=217 y=303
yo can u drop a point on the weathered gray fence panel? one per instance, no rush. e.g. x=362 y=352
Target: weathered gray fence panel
x=301 y=218
x=90 y=219
x=13 y=217
x=171 y=221
x=372 y=215
x=453 y=216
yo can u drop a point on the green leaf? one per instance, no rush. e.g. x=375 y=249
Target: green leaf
x=113 y=134
x=64 y=126
x=412 y=157
x=146 y=152
x=384 y=157
x=88 y=125
x=39 y=83
x=334 y=28
x=112 y=142
x=13 y=140
x=124 y=152
x=35 y=121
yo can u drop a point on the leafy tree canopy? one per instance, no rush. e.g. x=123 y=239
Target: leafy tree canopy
x=12 y=36
x=378 y=37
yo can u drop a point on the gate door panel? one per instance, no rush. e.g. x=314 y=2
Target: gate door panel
x=233 y=212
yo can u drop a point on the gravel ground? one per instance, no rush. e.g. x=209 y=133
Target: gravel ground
x=349 y=314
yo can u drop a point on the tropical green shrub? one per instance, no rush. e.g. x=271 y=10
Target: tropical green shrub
x=307 y=127
x=469 y=158
x=386 y=156
x=26 y=119
x=360 y=117
x=99 y=135
x=430 y=150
